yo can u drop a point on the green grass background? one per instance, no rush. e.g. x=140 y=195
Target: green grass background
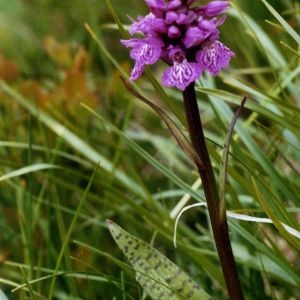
x=64 y=169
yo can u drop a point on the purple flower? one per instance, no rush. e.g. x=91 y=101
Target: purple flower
x=195 y=35
x=148 y=25
x=145 y=51
x=214 y=56
x=214 y=8
x=183 y=36
x=182 y=72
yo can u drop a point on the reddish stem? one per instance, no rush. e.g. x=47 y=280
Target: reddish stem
x=218 y=223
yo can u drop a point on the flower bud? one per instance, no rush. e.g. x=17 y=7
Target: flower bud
x=215 y=8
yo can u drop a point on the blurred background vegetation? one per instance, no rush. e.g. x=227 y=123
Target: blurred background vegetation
x=50 y=64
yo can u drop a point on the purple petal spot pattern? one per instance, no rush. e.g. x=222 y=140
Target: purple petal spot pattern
x=136 y=72
x=183 y=35
x=180 y=75
x=145 y=51
x=214 y=57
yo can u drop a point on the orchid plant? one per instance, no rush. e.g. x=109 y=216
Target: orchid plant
x=77 y=148
x=186 y=37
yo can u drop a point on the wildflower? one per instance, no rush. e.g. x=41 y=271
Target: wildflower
x=183 y=36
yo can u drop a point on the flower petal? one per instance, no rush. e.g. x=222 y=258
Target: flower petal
x=148 y=25
x=156 y=3
x=215 y=8
x=136 y=72
x=195 y=35
x=214 y=57
x=144 y=51
x=157 y=7
x=181 y=74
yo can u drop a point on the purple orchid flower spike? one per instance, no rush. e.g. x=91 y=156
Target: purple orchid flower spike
x=190 y=31
x=186 y=37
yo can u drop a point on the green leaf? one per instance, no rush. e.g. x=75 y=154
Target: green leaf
x=27 y=169
x=283 y=23
x=2 y=295
x=159 y=277
x=267 y=208
x=182 y=141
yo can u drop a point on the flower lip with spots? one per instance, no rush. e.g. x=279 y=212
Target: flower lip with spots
x=183 y=35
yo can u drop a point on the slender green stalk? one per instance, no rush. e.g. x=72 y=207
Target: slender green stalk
x=28 y=204
x=68 y=235
x=218 y=221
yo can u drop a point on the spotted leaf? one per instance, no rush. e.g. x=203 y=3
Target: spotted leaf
x=159 y=277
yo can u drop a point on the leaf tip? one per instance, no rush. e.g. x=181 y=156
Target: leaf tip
x=109 y=223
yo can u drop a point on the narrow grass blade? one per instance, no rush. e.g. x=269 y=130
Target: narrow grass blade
x=291 y=274
x=72 y=139
x=182 y=141
x=284 y=230
x=28 y=285
x=150 y=159
x=160 y=277
x=289 y=229
x=296 y=52
x=224 y=162
x=243 y=217
x=121 y=28
x=2 y=295
x=262 y=39
x=27 y=170
x=68 y=234
x=284 y=24
x=44 y=149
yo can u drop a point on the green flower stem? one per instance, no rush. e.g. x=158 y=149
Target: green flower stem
x=218 y=222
